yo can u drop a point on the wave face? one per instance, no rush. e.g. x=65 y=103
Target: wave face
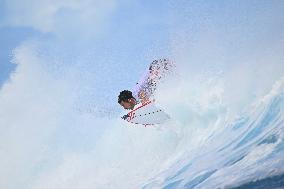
x=226 y=128
x=244 y=152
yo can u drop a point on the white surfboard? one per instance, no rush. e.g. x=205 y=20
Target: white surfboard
x=147 y=114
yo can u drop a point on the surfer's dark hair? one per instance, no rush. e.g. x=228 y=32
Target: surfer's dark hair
x=124 y=96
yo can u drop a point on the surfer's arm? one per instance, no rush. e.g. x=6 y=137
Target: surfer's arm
x=125 y=117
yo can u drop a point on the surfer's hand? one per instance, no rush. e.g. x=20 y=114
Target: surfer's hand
x=125 y=116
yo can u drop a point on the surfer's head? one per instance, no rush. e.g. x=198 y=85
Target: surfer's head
x=126 y=100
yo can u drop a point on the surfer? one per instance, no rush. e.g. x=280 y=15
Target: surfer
x=144 y=90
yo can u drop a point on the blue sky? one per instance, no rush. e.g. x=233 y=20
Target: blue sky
x=135 y=28
x=10 y=38
x=71 y=58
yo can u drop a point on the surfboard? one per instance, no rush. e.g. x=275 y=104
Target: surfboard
x=147 y=114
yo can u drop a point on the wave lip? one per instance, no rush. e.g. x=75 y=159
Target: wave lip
x=247 y=153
